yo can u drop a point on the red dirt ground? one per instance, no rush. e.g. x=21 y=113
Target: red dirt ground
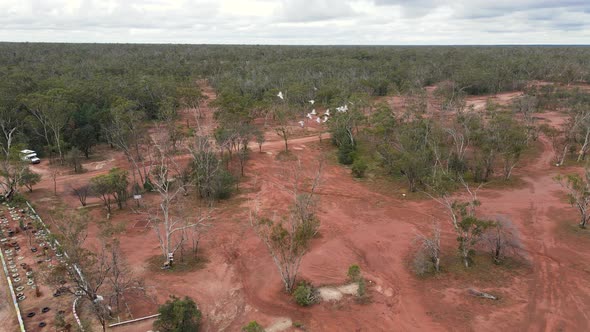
x=359 y=225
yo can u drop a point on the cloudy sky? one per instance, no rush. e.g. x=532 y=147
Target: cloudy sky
x=382 y=22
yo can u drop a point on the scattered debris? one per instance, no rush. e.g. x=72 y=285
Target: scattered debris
x=484 y=295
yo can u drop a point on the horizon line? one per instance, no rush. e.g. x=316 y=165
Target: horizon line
x=293 y=45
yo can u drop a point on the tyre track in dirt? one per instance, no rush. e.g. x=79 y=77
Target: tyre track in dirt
x=555 y=295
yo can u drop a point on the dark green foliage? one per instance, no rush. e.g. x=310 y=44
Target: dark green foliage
x=224 y=185
x=359 y=167
x=472 y=229
x=85 y=138
x=408 y=152
x=111 y=186
x=361 y=292
x=253 y=326
x=213 y=180
x=343 y=130
x=354 y=273
x=178 y=315
x=28 y=179
x=346 y=154
x=468 y=227
x=90 y=85
x=148 y=185
x=305 y=294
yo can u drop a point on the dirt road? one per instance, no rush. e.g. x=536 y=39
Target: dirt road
x=361 y=226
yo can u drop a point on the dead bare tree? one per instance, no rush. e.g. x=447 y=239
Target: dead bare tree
x=288 y=238
x=54 y=173
x=121 y=280
x=502 y=239
x=81 y=192
x=165 y=223
x=429 y=249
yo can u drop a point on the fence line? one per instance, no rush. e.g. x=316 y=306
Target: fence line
x=78 y=271
x=14 y=301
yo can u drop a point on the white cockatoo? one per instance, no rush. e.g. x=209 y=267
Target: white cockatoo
x=309 y=116
x=313 y=112
x=327 y=113
x=312 y=101
x=280 y=95
x=318 y=120
x=301 y=123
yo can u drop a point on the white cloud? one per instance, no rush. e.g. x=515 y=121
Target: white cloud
x=298 y=21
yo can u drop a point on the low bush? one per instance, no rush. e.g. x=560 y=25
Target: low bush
x=178 y=315
x=298 y=325
x=305 y=294
x=359 y=167
x=224 y=185
x=422 y=264
x=346 y=154
x=354 y=273
x=361 y=293
x=253 y=326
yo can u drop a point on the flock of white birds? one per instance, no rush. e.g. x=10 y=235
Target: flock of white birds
x=314 y=115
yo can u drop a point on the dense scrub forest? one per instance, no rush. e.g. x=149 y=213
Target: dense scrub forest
x=63 y=99
x=173 y=126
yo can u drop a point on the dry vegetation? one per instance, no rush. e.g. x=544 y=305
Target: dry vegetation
x=444 y=187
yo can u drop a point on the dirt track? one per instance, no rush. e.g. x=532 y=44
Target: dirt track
x=376 y=231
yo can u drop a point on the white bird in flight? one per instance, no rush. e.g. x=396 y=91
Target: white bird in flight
x=327 y=113
x=312 y=101
x=318 y=120
x=301 y=123
x=325 y=118
x=309 y=115
x=313 y=112
x=280 y=95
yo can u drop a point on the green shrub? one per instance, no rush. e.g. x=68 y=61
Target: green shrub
x=305 y=294
x=359 y=167
x=253 y=326
x=361 y=292
x=354 y=273
x=148 y=185
x=224 y=185
x=298 y=325
x=178 y=315
x=346 y=154
x=18 y=200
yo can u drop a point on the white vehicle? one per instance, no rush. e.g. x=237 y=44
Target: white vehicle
x=30 y=156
